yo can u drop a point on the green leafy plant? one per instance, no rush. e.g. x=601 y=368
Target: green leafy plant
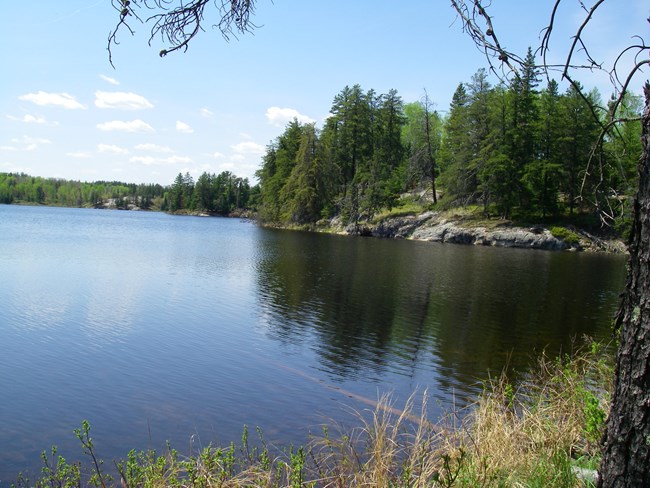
x=565 y=235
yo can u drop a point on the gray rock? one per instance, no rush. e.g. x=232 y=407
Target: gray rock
x=427 y=227
x=431 y=227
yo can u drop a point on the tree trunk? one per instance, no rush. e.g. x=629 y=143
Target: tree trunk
x=626 y=449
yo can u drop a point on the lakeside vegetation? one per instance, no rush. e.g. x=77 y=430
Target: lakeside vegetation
x=221 y=193
x=542 y=429
x=516 y=151
x=23 y=188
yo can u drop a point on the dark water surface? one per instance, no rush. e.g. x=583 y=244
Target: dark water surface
x=155 y=327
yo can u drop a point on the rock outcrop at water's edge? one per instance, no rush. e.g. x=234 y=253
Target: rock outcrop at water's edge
x=430 y=226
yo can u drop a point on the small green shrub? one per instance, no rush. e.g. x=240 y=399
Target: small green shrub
x=565 y=235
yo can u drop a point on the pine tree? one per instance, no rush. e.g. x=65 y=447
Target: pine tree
x=542 y=176
x=456 y=150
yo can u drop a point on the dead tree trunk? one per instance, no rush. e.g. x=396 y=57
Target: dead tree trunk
x=626 y=448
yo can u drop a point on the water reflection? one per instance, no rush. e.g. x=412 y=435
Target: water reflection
x=370 y=307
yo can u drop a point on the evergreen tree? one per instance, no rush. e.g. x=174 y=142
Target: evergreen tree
x=524 y=123
x=455 y=150
x=542 y=176
x=498 y=180
x=579 y=130
x=348 y=131
x=302 y=195
x=277 y=164
x=203 y=192
x=176 y=194
x=382 y=169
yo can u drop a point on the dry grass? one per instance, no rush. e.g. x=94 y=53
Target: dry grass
x=390 y=448
x=539 y=428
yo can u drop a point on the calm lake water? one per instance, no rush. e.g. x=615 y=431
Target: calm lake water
x=156 y=328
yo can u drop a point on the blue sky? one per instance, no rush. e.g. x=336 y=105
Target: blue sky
x=66 y=113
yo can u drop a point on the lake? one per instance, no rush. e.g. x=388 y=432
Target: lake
x=156 y=327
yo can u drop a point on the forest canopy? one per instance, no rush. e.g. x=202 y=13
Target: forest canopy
x=517 y=147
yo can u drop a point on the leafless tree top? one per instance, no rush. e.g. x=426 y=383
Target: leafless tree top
x=177 y=22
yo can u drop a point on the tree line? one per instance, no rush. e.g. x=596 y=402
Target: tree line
x=508 y=148
x=23 y=188
x=212 y=193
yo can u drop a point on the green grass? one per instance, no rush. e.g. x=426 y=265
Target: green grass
x=531 y=433
x=404 y=209
x=565 y=235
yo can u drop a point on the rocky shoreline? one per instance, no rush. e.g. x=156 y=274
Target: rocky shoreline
x=439 y=227
x=434 y=227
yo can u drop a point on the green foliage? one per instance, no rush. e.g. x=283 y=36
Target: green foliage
x=401 y=209
x=97 y=478
x=422 y=136
x=352 y=168
x=220 y=193
x=565 y=235
x=517 y=149
x=451 y=468
x=594 y=417
x=211 y=193
x=23 y=188
x=57 y=472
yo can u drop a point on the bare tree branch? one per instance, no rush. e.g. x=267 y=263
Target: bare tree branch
x=577 y=39
x=178 y=22
x=484 y=36
x=478 y=24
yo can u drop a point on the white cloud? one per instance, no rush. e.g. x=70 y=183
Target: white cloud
x=31 y=140
x=62 y=100
x=123 y=126
x=282 y=116
x=110 y=80
x=170 y=160
x=143 y=160
x=8 y=148
x=111 y=148
x=248 y=147
x=153 y=148
x=29 y=119
x=78 y=155
x=206 y=112
x=183 y=127
x=217 y=155
x=177 y=160
x=121 y=100
x=32 y=119
x=26 y=143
